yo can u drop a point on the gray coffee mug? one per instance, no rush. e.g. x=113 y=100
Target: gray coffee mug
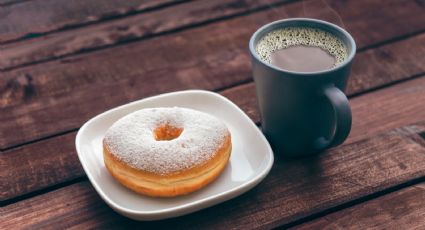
x=303 y=113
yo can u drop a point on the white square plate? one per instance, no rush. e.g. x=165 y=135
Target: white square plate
x=250 y=161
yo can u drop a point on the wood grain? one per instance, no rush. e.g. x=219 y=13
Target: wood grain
x=294 y=189
x=403 y=209
x=364 y=165
x=34 y=17
x=10 y=2
x=123 y=30
x=385 y=114
x=91 y=37
x=200 y=59
x=372 y=113
x=25 y=167
x=39 y=165
x=387 y=64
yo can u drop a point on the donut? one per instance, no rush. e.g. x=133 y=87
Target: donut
x=166 y=152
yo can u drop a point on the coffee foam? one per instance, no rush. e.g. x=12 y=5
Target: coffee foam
x=295 y=36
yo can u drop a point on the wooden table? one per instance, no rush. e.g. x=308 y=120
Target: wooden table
x=62 y=62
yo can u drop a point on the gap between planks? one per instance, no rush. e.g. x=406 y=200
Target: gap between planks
x=355 y=202
x=244 y=10
x=130 y=13
x=12 y=2
x=239 y=84
x=402 y=209
x=389 y=145
x=356 y=86
x=65 y=27
x=353 y=88
x=363 y=128
x=112 y=34
x=4 y=203
x=123 y=66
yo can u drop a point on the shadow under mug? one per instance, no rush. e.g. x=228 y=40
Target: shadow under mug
x=303 y=113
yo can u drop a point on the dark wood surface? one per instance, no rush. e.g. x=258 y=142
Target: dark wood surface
x=139 y=68
x=37 y=158
x=39 y=17
x=402 y=208
x=190 y=14
x=304 y=187
x=62 y=62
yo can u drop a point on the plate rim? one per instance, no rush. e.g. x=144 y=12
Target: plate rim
x=225 y=195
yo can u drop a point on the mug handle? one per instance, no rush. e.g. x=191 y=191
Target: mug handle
x=343 y=119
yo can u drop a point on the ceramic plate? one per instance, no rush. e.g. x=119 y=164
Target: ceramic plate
x=250 y=161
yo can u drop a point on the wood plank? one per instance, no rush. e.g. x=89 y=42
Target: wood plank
x=294 y=189
x=199 y=59
x=41 y=16
x=122 y=30
x=373 y=68
x=10 y=2
x=372 y=113
x=403 y=209
x=25 y=167
x=151 y=23
x=18 y=161
x=42 y=164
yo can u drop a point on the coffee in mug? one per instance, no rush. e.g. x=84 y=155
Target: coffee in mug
x=302 y=49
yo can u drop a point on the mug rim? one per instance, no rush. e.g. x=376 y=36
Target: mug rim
x=311 y=20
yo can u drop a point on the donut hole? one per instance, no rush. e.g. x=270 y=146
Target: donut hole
x=166 y=132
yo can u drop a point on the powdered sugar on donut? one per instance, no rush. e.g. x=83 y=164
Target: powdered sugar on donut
x=131 y=139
